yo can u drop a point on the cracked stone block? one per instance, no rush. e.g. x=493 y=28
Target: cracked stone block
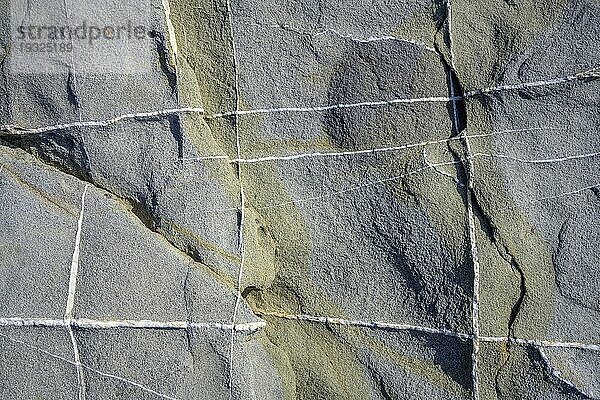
x=178 y=364
x=281 y=200
x=139 y=163
x=98 y=79
x=356 y=362
x=327 y=69
x=32 y=366
x=340 y=253
x=542 y=167
x=33 y=285
x=198 y=208
x=578 y=367
x=409 y=20
x=524 y=372
x=507 y=42
x=107 y=224
x=171 y=363
x=124 y=273
x=257 y=373
x=354 y=129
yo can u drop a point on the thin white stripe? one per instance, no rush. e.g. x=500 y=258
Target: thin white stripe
x=75 y=259
x=14 y=129
x=539 y=160
x=85 y=323
x=171 y=30
x=332 y=106
x=558 y=375
x=71 y=297
x=355 y=152
x=592 y=73
x=470 y=172
x=444 y=332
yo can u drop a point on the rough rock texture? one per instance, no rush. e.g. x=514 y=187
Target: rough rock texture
x=311 y=200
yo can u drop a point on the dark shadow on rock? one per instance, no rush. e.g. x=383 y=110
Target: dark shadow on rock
x=453 y=355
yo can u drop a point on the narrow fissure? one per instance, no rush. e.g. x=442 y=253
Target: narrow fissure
x=163 y=59
x=458 y=116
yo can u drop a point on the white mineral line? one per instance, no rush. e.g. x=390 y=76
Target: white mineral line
x=75 y=259
x=428 y=166
x=255 y=326
x=591 y=73
x=337 y=154
x=376 y=39
x=88 y=368
x=365 y=324
x=17 y=130
x=539 y=161
x=558 y=375
x=343 y=35
x=567 y=345
x=564 y=194
x=77 y=363
x=406 y=327
x=242 y=199
x=203 y=158
x=476 y=267
x=71 y=297
x=355 y=152
x=84 y=323
x=326 y=154
x=542 y=343
x=450 y=37
x=330 y=107
x=171 y=30
x=470 y=215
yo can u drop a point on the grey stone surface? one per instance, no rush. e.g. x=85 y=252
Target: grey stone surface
x=39 y=236
x=273 y=200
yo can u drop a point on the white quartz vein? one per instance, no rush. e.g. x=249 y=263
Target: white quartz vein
x=353 y=38
x=84 y=323
x=310 y=109
x=445 y=332
x=71 y=296
x=375 y=150
x=580 y=76
x=18 y=130
x=171 y=30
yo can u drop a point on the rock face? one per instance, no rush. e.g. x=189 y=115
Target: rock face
x=311 y=200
